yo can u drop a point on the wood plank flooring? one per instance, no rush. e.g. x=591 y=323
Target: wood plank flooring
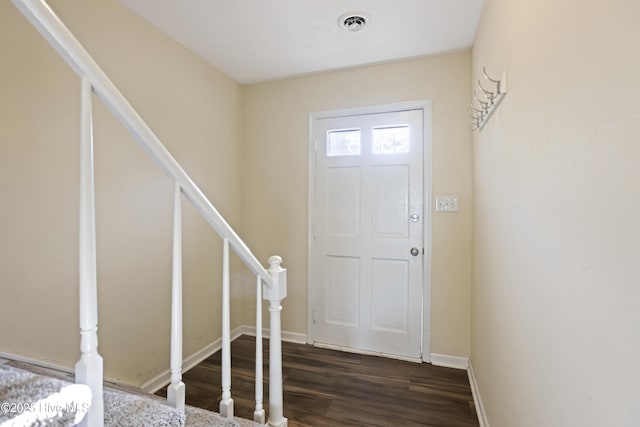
x=328 y=388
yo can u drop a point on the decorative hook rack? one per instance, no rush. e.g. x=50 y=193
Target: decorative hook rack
x=483 y=106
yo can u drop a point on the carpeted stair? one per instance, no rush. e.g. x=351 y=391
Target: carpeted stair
x=26 y=384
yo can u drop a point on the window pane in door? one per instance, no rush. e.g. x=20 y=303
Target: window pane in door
x=343 y=142
x=394 y=139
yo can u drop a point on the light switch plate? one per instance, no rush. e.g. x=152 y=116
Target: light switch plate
x=447 y=204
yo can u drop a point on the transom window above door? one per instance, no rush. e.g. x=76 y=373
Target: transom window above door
x=393 y=139
x=343 y=142
x=385 y=140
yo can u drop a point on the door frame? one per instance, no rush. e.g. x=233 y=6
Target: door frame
x=425 y=106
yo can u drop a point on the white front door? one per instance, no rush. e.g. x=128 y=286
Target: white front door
x=367 y=291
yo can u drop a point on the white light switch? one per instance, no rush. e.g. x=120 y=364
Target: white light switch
x=447 y=204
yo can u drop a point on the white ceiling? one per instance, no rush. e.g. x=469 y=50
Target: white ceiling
x=260 y=40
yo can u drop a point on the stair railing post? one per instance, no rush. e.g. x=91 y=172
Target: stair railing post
x=226 y=404
x=275 y=295
x=258 y=414
x=89 y=369
x=176 y=390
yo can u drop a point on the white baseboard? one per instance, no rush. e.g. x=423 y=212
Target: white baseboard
x=447 y=361
x=164 y=378
x=61 y=369
x=295 y=337
x=477 y=400
x=161 y=380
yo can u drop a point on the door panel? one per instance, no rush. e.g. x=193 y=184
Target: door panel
x=344 y=285
x=390 y=303
x=367 y=293
x=343 y=201
x=390 y=201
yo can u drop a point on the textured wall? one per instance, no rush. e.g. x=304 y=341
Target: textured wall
x=556 y=242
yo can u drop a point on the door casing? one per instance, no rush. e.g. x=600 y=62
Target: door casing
x=425 y=106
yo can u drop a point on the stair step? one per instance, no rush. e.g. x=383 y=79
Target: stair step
x=121 y=408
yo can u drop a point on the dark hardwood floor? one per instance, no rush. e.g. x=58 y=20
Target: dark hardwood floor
x=328 y=388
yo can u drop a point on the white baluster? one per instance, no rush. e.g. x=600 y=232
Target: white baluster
x=226 y=404
x=176 y=390
x=89 y=368
x=258 y=414
x=275 y=295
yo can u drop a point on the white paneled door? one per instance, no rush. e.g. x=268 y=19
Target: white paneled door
x=368 y=233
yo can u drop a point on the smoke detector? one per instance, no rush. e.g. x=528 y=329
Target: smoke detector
x=353 y=21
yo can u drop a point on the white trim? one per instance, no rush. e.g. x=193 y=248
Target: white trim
x=164 y=378
x=294 y=337
x=477 y=400
x=8 y=357
x=447 y=361
x=427 y=230
x=372 y=109
x=425 y=106
x=311 y=220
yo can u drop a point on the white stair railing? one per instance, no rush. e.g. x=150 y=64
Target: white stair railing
x=176 y=390
x=89 y=367
x=273 y=281
x=258 y=414
x=226 y=404
x=275 y=294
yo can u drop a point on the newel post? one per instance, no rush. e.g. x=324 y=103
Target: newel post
x=275 y=295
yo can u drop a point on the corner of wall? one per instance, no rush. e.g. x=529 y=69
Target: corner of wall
x=477 y=399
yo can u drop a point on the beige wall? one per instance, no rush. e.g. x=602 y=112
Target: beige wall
x=193 y=108
x=275 y=158
x=204 y=118
x=556 y=242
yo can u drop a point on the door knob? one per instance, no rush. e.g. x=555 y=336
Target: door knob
x=414 y=217
x=414 y=251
